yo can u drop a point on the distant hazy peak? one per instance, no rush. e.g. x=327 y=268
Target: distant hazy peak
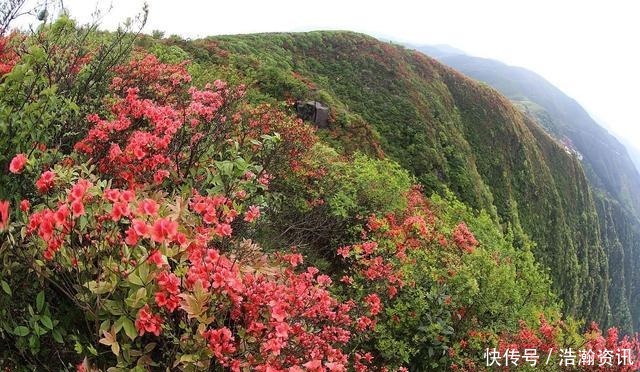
x=437 y=51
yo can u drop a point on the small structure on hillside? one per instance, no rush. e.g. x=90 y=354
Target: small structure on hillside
x=313 y=111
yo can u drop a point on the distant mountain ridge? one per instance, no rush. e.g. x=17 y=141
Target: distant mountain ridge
x=611 y=171
x=606 y=159
x=437 y=51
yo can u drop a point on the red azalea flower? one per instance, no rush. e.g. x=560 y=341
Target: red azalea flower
x=77 y=208
x=157 y=259
x=252 y=213
x=17 y=163
x=4 y=214
x=223 y=229
x=132 y=237
x=45 y=182
x=146 y=321
x=220 y=342
x=163 y=229
x=148 y=207
x=140 y=228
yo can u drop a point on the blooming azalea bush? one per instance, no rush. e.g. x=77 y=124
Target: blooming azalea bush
x=325 y=198
x=50 y=79
x=153 y=272
x=155 y=266
x=402 y=260
x=8 y=55
x=426 y=277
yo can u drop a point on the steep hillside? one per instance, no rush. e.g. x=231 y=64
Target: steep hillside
x=448 y=130
x=606 y=160
x=608 y=166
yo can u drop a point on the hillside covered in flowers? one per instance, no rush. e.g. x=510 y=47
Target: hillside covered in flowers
x=163 y=207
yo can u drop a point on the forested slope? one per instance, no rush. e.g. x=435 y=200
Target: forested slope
x=611 y=172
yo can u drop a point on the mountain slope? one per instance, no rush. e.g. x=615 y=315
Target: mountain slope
x=610 y=170
x=606 y=160
x=448 y=130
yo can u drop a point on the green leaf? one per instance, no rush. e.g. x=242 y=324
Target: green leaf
x=105 y=325
x=99 y=287
x=40 y=301
x=135 y=279
x=92 y=350
x=143 y=272
x=129 y=328
x=21 y=331
x=57 y=336
x=117 y=325
x=225 y=167
x=113 y=307
x=149 y=347
x=5 y=287
x=33 y=342
x=83 y=222
x=46 y=321
x=37 y=330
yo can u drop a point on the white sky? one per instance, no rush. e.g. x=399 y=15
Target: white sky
x=589 y=49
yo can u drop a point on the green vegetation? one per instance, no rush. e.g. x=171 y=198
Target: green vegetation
x=612 y=176
x=450 y=133
x=155 y=216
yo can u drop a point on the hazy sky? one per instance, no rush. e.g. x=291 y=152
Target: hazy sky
x=589 y=49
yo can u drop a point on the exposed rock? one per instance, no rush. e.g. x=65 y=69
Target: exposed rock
x=315 y=112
